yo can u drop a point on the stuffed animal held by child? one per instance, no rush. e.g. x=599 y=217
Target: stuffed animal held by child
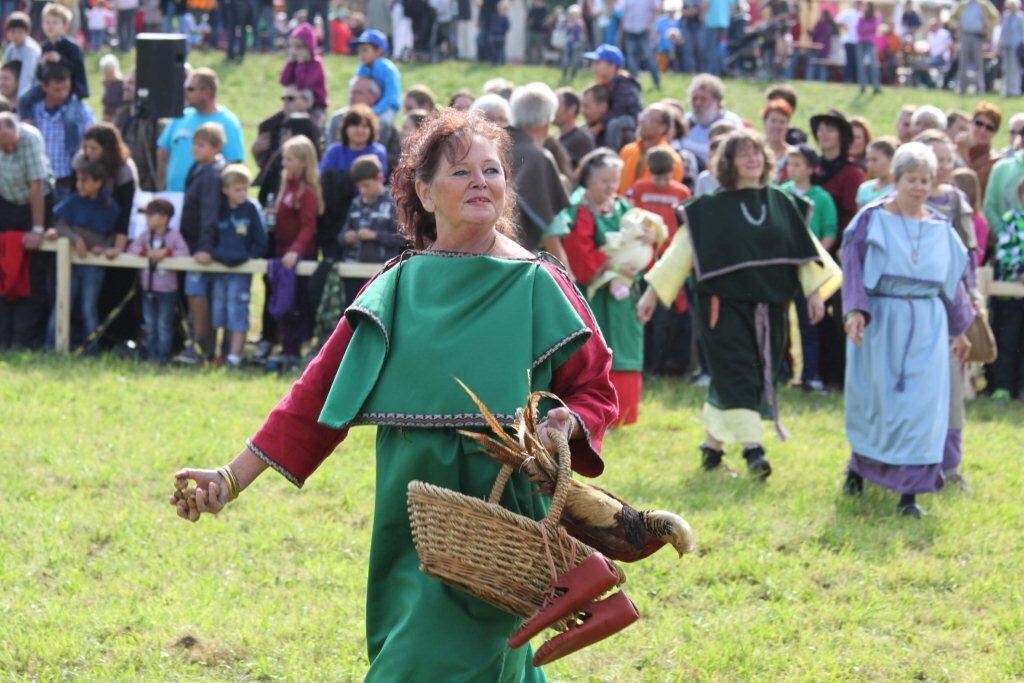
x=632 y=247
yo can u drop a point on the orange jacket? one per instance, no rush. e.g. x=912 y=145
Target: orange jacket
x=635 y=168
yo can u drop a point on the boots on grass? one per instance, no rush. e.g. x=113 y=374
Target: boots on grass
x=757 y=464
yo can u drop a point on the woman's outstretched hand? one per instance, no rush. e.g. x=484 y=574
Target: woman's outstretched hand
x=646 y=305
x=561 y=420
x=210 y=494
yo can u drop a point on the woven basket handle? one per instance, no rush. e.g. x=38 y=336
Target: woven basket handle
x=554 y=515
x=561 y=485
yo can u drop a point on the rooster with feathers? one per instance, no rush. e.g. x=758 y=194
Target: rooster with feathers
x=592 y=515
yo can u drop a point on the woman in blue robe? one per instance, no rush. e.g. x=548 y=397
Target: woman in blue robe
x=904 y=300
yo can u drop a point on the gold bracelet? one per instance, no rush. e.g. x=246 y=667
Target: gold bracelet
x=225 y=482
x=229 y=480
x=234 y=478
x=235 y=488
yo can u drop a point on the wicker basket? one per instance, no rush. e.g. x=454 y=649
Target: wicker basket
x=498 y=556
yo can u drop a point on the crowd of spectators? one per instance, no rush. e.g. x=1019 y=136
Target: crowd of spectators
x=323 y=192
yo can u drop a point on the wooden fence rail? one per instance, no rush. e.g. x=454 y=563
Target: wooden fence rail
x=66 y=257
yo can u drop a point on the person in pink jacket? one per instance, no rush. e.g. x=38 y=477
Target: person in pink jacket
x=867 y=31
x=305 y=70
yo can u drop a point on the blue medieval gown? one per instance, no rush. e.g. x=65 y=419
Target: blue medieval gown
x=895 y=425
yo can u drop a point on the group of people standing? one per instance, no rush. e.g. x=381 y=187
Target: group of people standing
x=473 y=289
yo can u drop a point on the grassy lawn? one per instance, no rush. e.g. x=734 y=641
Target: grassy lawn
x=100 y=581
x=792 y=581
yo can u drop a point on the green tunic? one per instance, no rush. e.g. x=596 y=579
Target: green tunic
x=748 y=266
x=617 y=319
x=502 y=326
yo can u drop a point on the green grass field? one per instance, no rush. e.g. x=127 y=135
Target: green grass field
x=100 y=581
x=792 y=581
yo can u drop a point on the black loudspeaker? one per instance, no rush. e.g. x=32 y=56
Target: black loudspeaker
x=160 y=74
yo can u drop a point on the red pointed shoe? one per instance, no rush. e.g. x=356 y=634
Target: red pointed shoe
x=582 y=584
x=599 y=620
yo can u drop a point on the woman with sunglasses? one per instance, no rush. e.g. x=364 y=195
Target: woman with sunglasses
x=978 y=153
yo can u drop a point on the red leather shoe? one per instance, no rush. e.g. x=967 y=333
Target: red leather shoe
x=599 y=620
x=582 y=584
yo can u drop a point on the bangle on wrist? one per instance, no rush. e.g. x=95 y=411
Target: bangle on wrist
x=230 y=480
x=38 y=229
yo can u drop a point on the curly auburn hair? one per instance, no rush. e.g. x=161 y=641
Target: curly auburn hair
x=724 y=161
x=445 y=134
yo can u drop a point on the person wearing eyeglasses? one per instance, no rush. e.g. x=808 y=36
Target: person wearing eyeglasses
x=174 y=148
x=1015 y=131
x=268 y=140
x=976 y=148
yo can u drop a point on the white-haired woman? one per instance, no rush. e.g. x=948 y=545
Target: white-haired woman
x=534 y=170
x=494 y=108
x=904 y=299
x=1011 y=37
x=113 y=86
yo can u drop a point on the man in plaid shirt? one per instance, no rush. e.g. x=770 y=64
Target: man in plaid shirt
x=62 y=119
x=25 y=202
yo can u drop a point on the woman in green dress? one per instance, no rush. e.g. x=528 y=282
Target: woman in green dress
x=468 y=303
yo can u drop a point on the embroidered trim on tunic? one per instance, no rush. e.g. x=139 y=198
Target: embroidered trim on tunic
x=269 y=461
x=583 y=426
x=449 y=420
x=466 y=254
x=749 y=264
x=547 y=257
x=373 y=316
x=547 y=354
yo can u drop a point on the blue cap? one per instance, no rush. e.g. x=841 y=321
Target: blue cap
x=607 y=53
x=374 y=37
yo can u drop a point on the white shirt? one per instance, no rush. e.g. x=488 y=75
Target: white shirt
x=638 y=15
x=940 y=43
x=97 y=18
x=848 y=19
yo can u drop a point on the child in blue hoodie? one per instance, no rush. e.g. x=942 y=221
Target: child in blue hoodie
x=372 y=44
x=87 y=217
x=240 y=237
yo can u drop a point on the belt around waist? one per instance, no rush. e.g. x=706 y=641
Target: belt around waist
x=904 y=297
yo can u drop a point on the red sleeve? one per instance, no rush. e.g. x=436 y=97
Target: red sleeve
x=288 y=73
x=585 y=259
x=307 y=224
x=584 y=383
x=291 y=440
